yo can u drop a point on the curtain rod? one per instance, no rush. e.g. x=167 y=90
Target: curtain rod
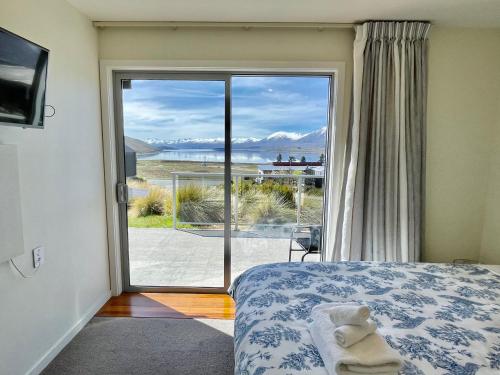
x=226 y=25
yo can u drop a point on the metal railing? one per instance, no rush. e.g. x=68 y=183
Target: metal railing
x=237 y=178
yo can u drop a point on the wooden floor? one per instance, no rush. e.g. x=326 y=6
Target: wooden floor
x=169 y=305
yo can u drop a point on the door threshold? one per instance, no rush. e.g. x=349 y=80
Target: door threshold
x=169 y=305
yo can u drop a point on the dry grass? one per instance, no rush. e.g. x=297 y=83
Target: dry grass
x=271 y=208
x=157 y=202
x=257 y=204
x=199 y=204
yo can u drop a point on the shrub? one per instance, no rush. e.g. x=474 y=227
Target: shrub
x=199 y=204
x=270 y=186
x=189 y=193
x=156 y=202
x=243 y=186
x=286 y=191
x=271 y=209
x=246 y=201
x=266 y=203
x=167 y=203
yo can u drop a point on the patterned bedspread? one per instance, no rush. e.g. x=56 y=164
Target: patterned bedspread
x=442 y=318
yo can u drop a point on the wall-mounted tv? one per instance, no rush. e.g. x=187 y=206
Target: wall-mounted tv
x=23 y=75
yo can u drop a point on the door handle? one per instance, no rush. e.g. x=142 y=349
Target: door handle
x=122 y=193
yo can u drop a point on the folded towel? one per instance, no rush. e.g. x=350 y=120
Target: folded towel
x=372 y=355
x=348 y=335
x=342 y=314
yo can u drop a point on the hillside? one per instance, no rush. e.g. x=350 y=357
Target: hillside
x=139 y=146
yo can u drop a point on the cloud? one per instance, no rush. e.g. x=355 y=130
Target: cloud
x=189 y=109
x=172 y=123
x=241 y=82
x=148 y=89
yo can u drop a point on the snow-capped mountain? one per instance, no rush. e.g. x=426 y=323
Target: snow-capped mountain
x=284 y=135
x=154 y=141
x=157 y=141
x=245 y=140
x=311 y=139
x=277 y=140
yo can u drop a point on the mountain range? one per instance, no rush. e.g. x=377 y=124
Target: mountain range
x=275 y=141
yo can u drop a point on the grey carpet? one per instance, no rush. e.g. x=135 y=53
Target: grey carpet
x=148 y=346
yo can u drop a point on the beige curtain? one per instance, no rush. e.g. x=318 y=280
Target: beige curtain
x=381 y=212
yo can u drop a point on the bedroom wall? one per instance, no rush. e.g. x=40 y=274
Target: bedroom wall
x=462 y=106
x=464 y=93
x=490 y=245
x=234 y=44
x=61 y=173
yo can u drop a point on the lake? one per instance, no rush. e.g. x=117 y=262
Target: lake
x=237 y=156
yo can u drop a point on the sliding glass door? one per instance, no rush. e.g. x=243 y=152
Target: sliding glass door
x=218 y=166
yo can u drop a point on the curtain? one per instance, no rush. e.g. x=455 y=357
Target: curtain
x=381 y=211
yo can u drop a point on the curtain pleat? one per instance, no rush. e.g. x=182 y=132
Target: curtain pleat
x=381 y=210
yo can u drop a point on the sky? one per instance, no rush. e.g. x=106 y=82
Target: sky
x=168 y=109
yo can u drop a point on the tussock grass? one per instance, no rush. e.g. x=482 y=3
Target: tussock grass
x=267 y=203
x=270 y=208
x=200 y=204
x=284 y=191
x=158 y=202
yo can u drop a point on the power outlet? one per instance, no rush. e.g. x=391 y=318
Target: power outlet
x=38 y=256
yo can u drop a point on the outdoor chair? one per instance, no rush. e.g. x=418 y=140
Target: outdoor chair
x=308 y=239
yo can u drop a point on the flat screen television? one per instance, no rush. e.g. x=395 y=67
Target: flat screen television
x=23 y=76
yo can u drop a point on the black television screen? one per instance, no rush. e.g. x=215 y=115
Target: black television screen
x=23 y=73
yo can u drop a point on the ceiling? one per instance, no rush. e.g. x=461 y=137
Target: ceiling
x=468 y=13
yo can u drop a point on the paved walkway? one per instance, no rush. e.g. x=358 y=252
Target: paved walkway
x=168 y=257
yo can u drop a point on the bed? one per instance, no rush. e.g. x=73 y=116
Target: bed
x=442 y=318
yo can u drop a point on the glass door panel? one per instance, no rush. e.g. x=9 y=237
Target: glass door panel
x=174 y=155
x=279 y=136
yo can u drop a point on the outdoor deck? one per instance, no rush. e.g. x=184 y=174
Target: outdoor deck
x=169 y=257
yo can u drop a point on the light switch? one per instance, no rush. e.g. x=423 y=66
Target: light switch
x=38 y=256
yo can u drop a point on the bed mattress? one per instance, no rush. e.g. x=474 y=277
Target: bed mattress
x=442 y=318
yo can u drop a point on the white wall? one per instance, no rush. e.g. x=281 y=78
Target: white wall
x=464 y=93
x=61 y=173
x=490 y=245
x=220 y=44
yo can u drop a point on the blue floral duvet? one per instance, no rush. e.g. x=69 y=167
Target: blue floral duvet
x=442 y=318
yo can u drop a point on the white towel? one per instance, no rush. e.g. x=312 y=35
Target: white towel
x=371 y=355
x=348 y=335
x=342 y=314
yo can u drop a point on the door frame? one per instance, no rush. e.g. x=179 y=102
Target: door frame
x=337 y=136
